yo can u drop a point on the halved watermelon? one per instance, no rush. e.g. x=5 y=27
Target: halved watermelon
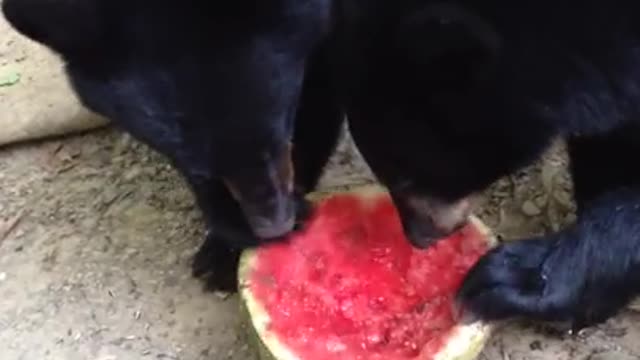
x=350 y=286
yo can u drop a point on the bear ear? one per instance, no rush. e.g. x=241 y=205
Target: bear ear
x=66 y=26
x=443 y=30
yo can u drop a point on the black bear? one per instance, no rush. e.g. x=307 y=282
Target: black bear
x=443 y=98
x=215 y=87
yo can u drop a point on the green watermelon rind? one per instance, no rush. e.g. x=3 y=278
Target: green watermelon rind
x=466 y=342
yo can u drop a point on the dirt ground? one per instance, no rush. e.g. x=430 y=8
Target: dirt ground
x=97 y=234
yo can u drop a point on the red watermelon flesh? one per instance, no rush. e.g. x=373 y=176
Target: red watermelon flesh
x=350 y=285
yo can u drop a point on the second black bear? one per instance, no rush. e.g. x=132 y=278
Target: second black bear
x=444 y=98
x=214 y=86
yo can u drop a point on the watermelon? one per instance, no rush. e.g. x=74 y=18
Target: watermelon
x=349 y=285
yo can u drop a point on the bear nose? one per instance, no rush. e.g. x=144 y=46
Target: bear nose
x=425 y=219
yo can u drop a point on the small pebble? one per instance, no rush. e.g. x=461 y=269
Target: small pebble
x=541 y=201
x=222 y=295
x=529 y=208
x=535 y=345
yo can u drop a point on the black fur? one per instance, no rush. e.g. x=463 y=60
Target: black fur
x=445 y=98
x=214 y=86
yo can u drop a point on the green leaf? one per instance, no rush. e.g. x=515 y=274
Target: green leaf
x=9 y=79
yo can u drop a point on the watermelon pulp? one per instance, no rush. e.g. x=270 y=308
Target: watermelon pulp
x=350 y=285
